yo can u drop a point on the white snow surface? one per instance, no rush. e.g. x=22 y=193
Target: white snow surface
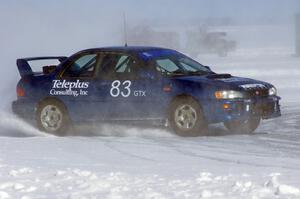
x=152 y=163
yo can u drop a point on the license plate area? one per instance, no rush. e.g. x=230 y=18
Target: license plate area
x=263 y=109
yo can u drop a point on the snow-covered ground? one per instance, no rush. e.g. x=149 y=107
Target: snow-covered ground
x=137 y=162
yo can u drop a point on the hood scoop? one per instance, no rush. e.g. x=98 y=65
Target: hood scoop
x=219 y=76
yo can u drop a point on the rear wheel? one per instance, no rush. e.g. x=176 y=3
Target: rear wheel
x=186 y=117
x=52 y=117
x=245 y=126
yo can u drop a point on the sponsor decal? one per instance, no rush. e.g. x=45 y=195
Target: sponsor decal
x=123 y=89
x=69 y=88
x=253 y=86
x=139 y=93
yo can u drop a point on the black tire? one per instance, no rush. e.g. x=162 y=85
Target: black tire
x=52 y=105
x=196 y=128
x=247 y=126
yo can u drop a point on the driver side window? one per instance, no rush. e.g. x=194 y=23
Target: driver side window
x=82 y=67
x=118 y=66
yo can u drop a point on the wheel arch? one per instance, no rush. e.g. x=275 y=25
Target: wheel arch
x=51 y=98
x=180 y=96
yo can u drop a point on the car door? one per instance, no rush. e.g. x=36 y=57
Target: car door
x=75 y=86
x=123 y=92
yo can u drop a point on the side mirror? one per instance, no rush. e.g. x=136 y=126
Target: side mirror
x=147 y=74
x=207 y=67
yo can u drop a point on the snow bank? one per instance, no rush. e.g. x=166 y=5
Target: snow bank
x=76 y=183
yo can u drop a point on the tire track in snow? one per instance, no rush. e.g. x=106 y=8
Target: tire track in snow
x=109 y=144
x=179 y=150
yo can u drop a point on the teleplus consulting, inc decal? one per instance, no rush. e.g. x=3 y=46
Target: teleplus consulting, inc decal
x=69 y=88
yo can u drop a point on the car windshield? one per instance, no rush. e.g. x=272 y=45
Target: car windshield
x=179 y=65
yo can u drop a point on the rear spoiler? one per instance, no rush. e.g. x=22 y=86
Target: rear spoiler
x=25 y=68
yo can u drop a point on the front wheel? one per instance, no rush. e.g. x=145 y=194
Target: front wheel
x=52 y=117
x=186 y=117
x=245 y=126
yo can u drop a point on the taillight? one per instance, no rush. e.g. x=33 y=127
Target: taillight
x=20 y=92
x=167 y=88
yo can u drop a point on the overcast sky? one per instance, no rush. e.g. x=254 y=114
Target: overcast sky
x=240 y=10
x=35 y=26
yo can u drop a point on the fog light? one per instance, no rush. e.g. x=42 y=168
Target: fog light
x=247 y=107
x=226 y=106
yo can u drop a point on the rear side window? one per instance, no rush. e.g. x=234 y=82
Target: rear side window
x=84 y=66
x=123 y=64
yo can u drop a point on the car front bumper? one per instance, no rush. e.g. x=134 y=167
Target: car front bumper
x=242 y=109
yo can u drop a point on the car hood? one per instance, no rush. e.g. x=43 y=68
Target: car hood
x=225 y=81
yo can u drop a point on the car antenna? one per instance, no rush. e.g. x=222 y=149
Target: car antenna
x=125 y=29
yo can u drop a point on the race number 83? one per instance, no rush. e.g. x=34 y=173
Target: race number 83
x=125 y=90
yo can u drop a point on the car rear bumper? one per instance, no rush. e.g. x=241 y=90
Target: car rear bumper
x=24 y=109
x=229 y=110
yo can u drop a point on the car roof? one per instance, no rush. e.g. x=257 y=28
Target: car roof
x=127 y=49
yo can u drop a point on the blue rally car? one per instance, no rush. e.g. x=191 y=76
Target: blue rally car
x=140 y=84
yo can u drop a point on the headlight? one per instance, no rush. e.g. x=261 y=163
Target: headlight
x=228 y=94
x=272 y=91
